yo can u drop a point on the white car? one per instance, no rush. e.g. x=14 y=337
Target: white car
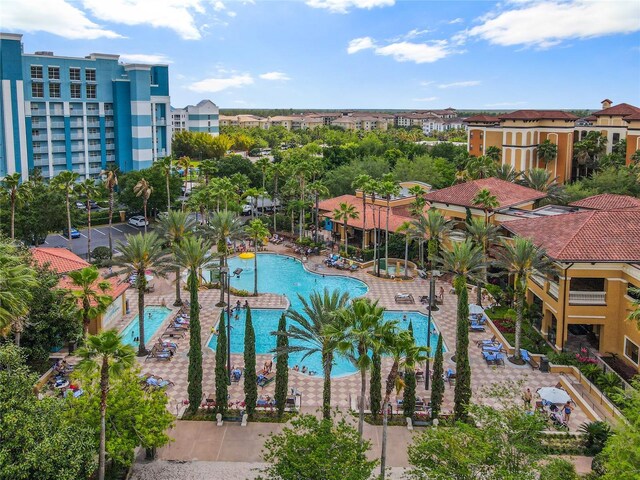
x=138 y=221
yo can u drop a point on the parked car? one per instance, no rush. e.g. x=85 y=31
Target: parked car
x=138 y=221
x=81 y=205
x=74 y=233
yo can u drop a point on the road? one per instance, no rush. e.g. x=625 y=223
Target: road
x=99 y=237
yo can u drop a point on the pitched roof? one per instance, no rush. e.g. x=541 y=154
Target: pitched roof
x=508 y=194
x=587 y=236
x=117 y=287
x=622 y=109
x=608 y=201
x=60 y=260
x=482 y=118
x=538 y=115
x=634 y=116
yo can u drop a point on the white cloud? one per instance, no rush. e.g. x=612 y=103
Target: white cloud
x=415 y=33
x=218 y=6
x=155 y=58
x=426 y=83
x=358 y=44
x=219 y=84
x=232 y=14
x=177 y=15
x=425 y=99
x=343 y=6
x=548 y=23
x=466 y=83
x=416 y=52
x=274 y=76
x=53 y=16
x=456 y=20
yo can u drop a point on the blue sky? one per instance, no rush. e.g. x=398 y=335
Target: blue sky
x=357 y=53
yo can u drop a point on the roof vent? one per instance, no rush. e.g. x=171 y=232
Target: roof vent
x=47 y=54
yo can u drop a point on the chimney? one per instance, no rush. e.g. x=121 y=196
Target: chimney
x=606 y=103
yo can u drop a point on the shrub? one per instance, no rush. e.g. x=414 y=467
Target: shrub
x=558 y=469
x=101 y=256
x=596 y=435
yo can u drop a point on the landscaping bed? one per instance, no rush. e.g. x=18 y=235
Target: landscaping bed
x=233 y=415
x=530 y=339
x=563 y=444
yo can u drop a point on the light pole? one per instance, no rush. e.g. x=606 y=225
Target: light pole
x=431 y=293
x=224 y=274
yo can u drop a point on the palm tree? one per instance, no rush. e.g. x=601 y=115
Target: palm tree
x=17 y=192
x=256 y=231
x=194 y=254
x=144 y=189
x=184 y=163
x=486 y=201
x=143 y=255
x=223 y=227
x=16 y=280
x=480 y=167
x=107 y=354
x=388 y=189
x=507 y=173
x=166 y=165
x=110 y=179
x=318 y=189
x=89 y=189
x=362 y=183
x=263 y=164
x=408 y=229
x=174 y=227
x=66 y=181
x=494 y=153
x=419 y=202
x=465 y=261
x=276 y=171
x=547 y=152
x=88 y=290
x=634 y=316
x=363 y=329
x=484 y=235
x=319 y=330
x=540 y=179
x=522 y=258
x=344 y=213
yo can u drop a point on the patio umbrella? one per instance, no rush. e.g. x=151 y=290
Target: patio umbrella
x=475 y=309
x=554 y=395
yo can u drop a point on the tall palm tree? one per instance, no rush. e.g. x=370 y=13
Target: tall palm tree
x=257 y=232
x=174 y=227
x=110 y=179
x=142 y=255
x=184 y=163
x=547 y=151
x=373 y=187
x=522 y=258
x=541 y=180
x=436 y=228
x=362 y=183
x=276 y=171
x=317 y=190
x=17 y=278
x=481 y=167
x=17 y=192
x=389 y=188
x=494 y=153
x=89 y=293
x=224 y=226
x=89 y=190
x=263 y=164
x=465 y=261
x=66 y=181
x=144 y=189
x=319 y=329
x=107 y=354
x=302 y=170
x=485 y=200
x=363 y=329
x=419 y=202
x=344 y=213
x=166 y=165
x=484 y=235
x=408 y=229
x=194 y=254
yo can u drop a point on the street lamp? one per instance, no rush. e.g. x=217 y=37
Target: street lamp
x=224 y=274
x=431 y=296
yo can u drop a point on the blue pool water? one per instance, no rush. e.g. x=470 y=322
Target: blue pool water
x=155 y=315
x=265 y=321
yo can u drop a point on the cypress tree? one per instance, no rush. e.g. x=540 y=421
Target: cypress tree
x=250 y=379
x=221 y=374
x=437 y=384
x=462 y=392
x=375 y=387
x=194 y=375
x=409 y=394
x=282 y=366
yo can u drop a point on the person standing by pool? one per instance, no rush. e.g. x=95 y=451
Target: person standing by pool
x=567 y=409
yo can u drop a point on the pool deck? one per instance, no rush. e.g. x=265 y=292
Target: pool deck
x=345 y=390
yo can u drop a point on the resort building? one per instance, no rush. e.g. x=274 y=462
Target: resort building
x=597 y=258
x=203 y=117
x=245 y=121
x=64 y=113
x=62 y=261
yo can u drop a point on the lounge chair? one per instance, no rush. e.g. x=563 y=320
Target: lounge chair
x=157 y=382
x=527 y=358
x=173 y=333
x=159 y=354
x=484 y=342
x=290 y=402
x=422 y=274
x=490 y=357
x=475 y=327
x=492 y=348
x=264 y=380
x=404 y=298
x=419 y=375
x=236 y=375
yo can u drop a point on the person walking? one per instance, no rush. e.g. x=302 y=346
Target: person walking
x=527 y=396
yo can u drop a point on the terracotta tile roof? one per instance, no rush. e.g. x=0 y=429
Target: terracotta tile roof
x=538 y=115
x=482 y=118
x=634 y=116
x=117 y=287
x=622 y=109
x=588 y=236
x=508 y=194
x=608 y=201
x=60 y=260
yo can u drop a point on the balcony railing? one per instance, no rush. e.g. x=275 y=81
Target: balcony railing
x=38 y=111
x=40 y=150
x=588 y=298
x=111 y=158
x=108 y=124
x=40 y=136
x=59 y=149
x=57 y=136
x=109 y=135
x=57 y=124
x=56 y=112
x=108 y=112
x=538 y=279
x=553 y=290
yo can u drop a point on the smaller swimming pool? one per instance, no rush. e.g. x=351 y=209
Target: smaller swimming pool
x=155 y=316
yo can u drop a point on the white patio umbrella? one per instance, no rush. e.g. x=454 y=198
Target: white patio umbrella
x=554 y=395
x=475 y=309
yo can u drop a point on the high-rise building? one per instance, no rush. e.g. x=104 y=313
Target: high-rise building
x=203 y=117
x=66 y=113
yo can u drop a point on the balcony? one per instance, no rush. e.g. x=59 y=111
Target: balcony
x=110 y=146
x=93 y=124
x=94 y=147
x=76 y=112
x=111 y=158
x=77 y=147
x=109 y=135
x=538 y=279
x=587 y=298
x=38 y=112
x=57 y=136
x=58 y=112
x=108 y=112
x=76 y=124
x=160 y=122
x=94 y=136
x=39 y=136
x=59 y=149
x=108 y=124
x=553 y=290
x=40 y=150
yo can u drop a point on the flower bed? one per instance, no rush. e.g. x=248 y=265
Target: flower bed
x=530 y=339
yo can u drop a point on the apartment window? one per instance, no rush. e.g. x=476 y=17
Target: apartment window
x=37 y=90
x=74 y=75
x=616 y=138
x=94 y=131
x=54 y=90
x=37 y=157
x=90 y=74
x=91 y=91
x=631 y=351
x=36 y=72
x=36 y=145
x=76 y=91
x=54 y=73
x=35 y=133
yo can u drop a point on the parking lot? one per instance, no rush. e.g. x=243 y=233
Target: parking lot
x=99 y=237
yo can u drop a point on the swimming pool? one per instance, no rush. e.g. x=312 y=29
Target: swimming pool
x=265 y=321
x=155 y=315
